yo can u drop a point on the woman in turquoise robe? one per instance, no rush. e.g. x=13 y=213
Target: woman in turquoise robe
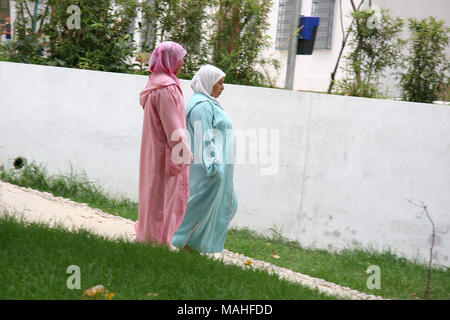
x=212 y=199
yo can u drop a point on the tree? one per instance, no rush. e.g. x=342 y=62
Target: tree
x=103 y=41
x=228 y=33
x=239 y=40
x=344 y=41
x=27 y=44
x=427 y=65
x=181 y=21
x=375 y=45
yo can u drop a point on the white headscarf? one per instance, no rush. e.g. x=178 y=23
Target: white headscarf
x=205 y=79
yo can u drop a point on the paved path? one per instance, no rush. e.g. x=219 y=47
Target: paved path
x=36 y=206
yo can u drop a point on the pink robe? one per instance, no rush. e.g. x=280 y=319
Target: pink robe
x=163 y=184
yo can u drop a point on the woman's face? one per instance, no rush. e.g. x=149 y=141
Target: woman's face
x=180 y=66
x=218 y=88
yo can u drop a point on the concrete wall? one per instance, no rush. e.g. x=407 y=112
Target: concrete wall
x=338 y=170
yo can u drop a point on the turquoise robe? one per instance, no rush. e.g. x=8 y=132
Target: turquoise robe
x=212 y=198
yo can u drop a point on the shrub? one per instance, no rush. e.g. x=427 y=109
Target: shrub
x=426 y=77
x=27 y=47
x=374 y=47
x=103 y=41
x=226 y=33
x=240 y=38
x=182 y=21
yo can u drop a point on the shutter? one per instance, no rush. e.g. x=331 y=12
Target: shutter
x=284 y=25
x=324 y=9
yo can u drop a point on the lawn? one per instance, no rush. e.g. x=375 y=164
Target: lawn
x=400 y=278
x=34 y=260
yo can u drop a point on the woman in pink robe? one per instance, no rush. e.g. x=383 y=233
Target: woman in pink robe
x=165 y=154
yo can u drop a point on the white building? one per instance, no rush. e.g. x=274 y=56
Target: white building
x=313 y=72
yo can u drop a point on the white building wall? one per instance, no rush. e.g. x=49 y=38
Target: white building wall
x=338 y=174
x=313 y=72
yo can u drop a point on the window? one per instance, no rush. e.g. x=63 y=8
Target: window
x=324 y=9
x=284 y=25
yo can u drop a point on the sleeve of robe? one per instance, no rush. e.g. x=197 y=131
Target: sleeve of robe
x=212 y=140
x=170 y=107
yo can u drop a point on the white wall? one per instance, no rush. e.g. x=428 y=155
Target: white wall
x=345 y=166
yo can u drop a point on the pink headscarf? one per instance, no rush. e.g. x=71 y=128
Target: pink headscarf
x=166 y=58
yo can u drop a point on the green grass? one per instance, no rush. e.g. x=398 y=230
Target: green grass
x=75 y=186
x=400 y=278
x=34 y=266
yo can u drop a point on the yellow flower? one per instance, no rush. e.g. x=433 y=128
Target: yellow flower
x=109 y=295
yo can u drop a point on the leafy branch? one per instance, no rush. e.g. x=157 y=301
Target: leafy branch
x=344 y=40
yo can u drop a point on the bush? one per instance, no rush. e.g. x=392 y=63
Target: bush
x=426 y=77
x=182 y=21
x=27 y=47
x=374 y=47
x=229 y=34
x=240 y=38
x=103 y=41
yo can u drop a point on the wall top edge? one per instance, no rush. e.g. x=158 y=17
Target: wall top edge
x=264 y=90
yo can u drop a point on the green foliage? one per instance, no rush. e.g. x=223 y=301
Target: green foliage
x=232 y=37
x=27 y=45
x=375 y=45
x=103 y=41
x=427 y=66
x=239 y=40
x=181 y=21
x=227 y=33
